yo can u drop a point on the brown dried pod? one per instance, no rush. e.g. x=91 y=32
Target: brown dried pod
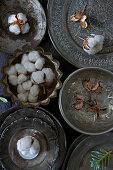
x=79 y=105
x=79 y=96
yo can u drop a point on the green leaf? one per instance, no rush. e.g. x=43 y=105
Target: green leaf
x=100 y=159
x=3 y=99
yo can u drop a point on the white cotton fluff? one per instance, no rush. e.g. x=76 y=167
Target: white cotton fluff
x=22 y=16
x=15 y=24
x=38 y=77
x=30 y=67
x=22 y=78
x=12 y=18
x=13 y=80
x=27 y=85
x=34 y=90
x=28 y=147
x=33 y=56
x=32 y=99
x=20 y=69
x=49 y=75
x=95 y=44
x=14 y=29
x=25 y=28
x=20 y=89
x=24 y=59
x=11 y=70
x=23 y=97
x=40 y=63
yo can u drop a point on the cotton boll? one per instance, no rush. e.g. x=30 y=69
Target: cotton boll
x=20 y=89
x=13 y=80
x=30 y=67
x=12 y=18
x=11 y=70
x=14 y=29
x=24 y=59
x=93 y=44
x=49 y=75
x=20 y=69
x=39 y=63
x=23 y=97
x=21 y=78
x=27 y=85
x=34 y=90
x=25 y=28
x=28 y=147
x=38 y=77
x=22 y=16
x=32 y=99
x=33 y=56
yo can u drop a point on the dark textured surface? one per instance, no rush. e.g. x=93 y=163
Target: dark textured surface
x=65 y=67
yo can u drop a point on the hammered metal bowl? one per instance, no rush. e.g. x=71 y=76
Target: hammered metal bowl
x=36 y=19
x=81 y=120
x=51 y=91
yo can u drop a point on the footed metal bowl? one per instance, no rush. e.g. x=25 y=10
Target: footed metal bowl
x=51 y=91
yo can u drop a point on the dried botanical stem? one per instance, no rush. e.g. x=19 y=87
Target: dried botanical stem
x=79 y=37
x=84 y=8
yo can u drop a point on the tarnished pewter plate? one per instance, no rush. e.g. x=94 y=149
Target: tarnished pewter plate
x=36 y=19
x=62 y=31
x=81 y=156
x=71 y=148
x=81 y=120
x=42 y=122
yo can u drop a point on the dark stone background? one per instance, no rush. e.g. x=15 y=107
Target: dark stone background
x=66 y=69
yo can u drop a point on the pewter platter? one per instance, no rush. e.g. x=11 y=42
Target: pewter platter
x=62 y=31
x=36 y=19
x=81 y=156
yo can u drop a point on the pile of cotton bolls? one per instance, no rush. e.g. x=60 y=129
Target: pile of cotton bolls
x=29 y=76
x=18 y=24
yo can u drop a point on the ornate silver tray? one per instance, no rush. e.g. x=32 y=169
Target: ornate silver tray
x=62 y=31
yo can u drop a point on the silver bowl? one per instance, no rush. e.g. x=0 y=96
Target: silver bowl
x=81 y=120
x=36 y=19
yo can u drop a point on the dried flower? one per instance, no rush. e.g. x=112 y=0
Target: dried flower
x=80 y=15
x=93 y=103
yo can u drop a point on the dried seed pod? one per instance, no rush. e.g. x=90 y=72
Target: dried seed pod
x=79 y=105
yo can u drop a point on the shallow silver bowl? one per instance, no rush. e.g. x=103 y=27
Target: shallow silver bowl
x=81 y=120
x=36 y=19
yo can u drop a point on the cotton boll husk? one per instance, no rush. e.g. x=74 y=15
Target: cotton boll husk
x=38 y=77
x=32 y=99
x=25 y=28
x=20 y=69
x=30 y=67
x=22 y=16
x=14 y=29
x=40 y=63
x=11 y=70
x=20 y=89
x=23 y=97
x=33 y=56
x=12 y=18
x=34 y=90
x=27 y=85
x=21 y=78
x=13 y=80
x=49 y=75
x=24 y=59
